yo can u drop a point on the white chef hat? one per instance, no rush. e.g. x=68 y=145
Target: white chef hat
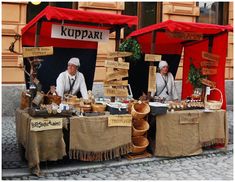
x=162 y=64
x=74 y=61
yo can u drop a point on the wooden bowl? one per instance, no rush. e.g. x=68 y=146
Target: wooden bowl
x=139 y=127
x=140 y=110
x=98 y=107
x=139 y=144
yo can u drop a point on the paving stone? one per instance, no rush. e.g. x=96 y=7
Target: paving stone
x=49 y=175
x=84 y=172
x=55 y=174
x=98 y=170
x=175 y=169
x=100 y=176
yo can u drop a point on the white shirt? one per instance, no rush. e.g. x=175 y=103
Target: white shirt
x=63 y=84
x=170 y=88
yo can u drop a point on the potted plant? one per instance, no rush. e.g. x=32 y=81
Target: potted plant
x=194 y=77
x=131 y=45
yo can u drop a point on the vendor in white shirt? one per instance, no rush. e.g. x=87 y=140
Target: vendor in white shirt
x=165 y=83
x=71 y=81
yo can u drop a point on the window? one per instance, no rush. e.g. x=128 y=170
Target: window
x=213 y=12
x=33 y=10
x=62 y=4
x=130 y=9
x=148 y=13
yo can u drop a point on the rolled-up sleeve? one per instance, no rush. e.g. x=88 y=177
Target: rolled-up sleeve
x=60 y=85
x=83 y=88
x=174 y=91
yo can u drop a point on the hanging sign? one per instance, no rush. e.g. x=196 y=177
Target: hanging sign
x=116 y=83
x=209 y=63
x=119 y=54
x=120 y=120
x=119 y=92
x=152 y=79
x=208 y=83
x=79 y=33
x=186 y=35
x=37 y=51
x=210 y=56
x=116 y=64
x=42 y=124
x=116 y=75
x=153 y=57
x=209 y=71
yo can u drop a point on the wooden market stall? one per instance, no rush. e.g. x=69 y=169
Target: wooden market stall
x=57 y=27
x=185 y=132
x=71 y=33
x=108 y=136
x=170 y=37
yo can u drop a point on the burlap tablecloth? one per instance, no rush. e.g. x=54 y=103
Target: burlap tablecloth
x=39 y=146
x=183 y=133
x=92 y=140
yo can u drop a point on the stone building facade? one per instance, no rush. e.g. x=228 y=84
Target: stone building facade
x=16 y=15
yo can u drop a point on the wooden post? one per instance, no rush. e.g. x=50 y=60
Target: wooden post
x=210 y=46
x=117 y=43
x=33 y=74
x=37 y=33
x=152 y=51
x=36 y=44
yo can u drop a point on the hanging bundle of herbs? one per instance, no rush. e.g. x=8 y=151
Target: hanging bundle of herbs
x=131 y=45
x=195 y=76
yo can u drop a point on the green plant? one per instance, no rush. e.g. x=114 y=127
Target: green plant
x=195 y=75
x=131 y=45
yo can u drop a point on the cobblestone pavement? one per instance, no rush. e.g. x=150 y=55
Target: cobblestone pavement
x=211 y=167
x=10 y=152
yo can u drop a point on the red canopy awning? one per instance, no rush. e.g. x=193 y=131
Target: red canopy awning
x=215 y=40
x=54 y=15
x=175 y=26
x=166 y=44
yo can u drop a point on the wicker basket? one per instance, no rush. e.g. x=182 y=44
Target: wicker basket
x=139 y=127
x=140 y=110
x=213 y=104
x=98 y=107
x=139 y=144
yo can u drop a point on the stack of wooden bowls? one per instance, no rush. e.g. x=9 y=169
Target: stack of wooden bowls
x=140 y=126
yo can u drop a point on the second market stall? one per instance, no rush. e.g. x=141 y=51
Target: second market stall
x=183 y=131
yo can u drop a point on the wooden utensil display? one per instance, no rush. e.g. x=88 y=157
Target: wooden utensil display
x=140 y=128
x=115 y=72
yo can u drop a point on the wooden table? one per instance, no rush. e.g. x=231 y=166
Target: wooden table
x=184 y=133
x=91 y=139
x=88 y=139
x=39 y=146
